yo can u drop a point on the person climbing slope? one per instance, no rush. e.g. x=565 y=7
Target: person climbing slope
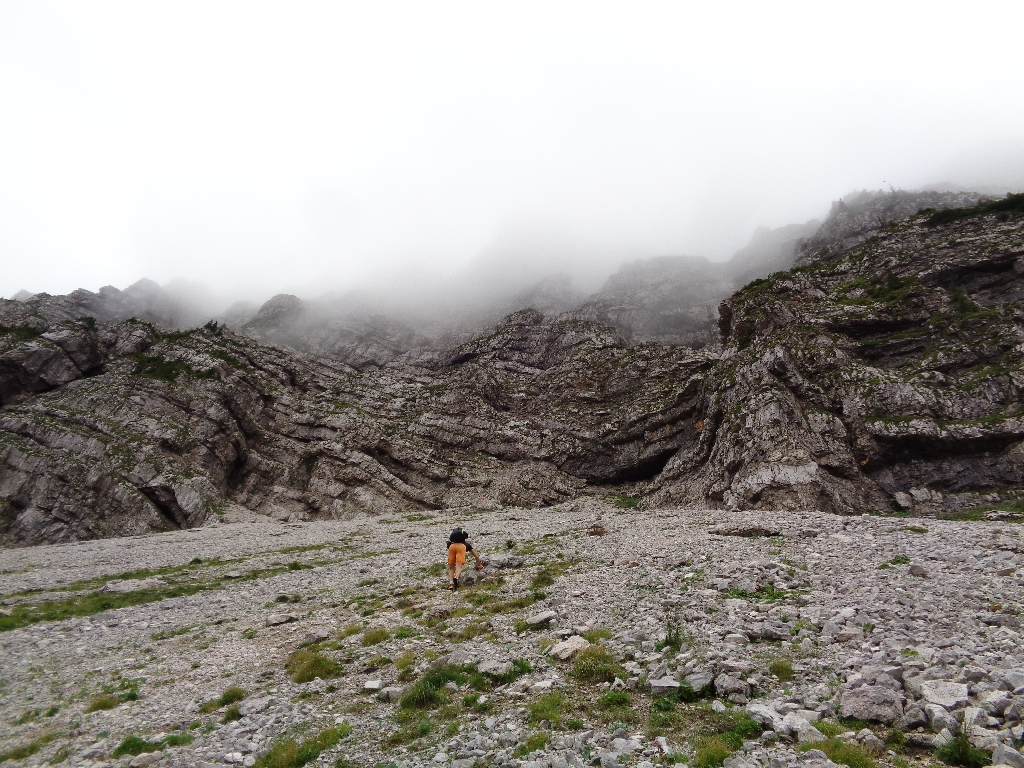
x=458 y=546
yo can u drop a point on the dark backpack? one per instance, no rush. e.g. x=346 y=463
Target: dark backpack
x=458 y=536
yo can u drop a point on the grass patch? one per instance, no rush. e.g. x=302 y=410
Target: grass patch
x=547 y=707
x=27 y=717
x=135 y=745
x=231 y=714
x=429 y=691
x=25 y=614
x=102 y=701
x=375 y=636
x=828 y=728
x=27 y=750
x=674 y=636
x=231 y=695
x=913 y=529
x=171 y=633
x=520 y=667
x=782 y=669
x=468 y=632
x=412 y=730
x=617 y=706
x=596 y=635
x=305 y=665
x=61 y=754
x=290 y=753
x=406 y=660
x=533 y=742
x=711 y=752
x=842 y=752
x=22 y=615
x=960 y=751
x=510 y=606
x=596 y=665
x=622 y=501
x=1012 y=204
x=348 y=631
x=162 y=369
x=766 y=593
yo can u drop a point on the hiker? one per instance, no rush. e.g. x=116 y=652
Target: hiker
x=458 y=546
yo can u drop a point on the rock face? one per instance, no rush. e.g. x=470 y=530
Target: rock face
x=674 y=300
x=883 y=374
x=123 y=428
x=879 y=377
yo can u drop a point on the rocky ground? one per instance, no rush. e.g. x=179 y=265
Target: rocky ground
x=597 y=634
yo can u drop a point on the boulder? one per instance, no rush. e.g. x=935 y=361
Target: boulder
x=663 y=685
x=699 y=680
x=568 y=647
x=276 y=619
x=1005 y=755
x=494 y=667
x=254 y=705
x=726 y=685
x=871 y=702
x=541 y=618
x=939 y=718
x=945 y=694
x=391 y=693
x=768 y=718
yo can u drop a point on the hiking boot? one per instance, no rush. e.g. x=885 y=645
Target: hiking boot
x=452 y=585
x=455 y=584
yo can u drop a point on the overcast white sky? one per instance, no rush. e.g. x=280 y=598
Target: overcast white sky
x=301 y=146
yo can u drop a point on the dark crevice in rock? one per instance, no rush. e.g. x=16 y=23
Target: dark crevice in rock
x=166 y=504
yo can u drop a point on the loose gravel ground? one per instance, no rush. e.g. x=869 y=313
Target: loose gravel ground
x=787 y=637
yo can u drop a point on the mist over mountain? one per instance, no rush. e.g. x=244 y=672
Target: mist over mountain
x=667 y=299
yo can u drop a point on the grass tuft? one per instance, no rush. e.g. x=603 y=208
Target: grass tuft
x=231 y=695
x=102 y=701
x=289 y=753
x=547 y=707
x=305 y=665
x=960 y=751
x=596 y=665
x=27 y=750
x=711 y=752
x=429 y=691
x=375 y=636
x=782 y=669
x=842 y=752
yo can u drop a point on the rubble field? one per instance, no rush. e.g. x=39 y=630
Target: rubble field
x=597 y=634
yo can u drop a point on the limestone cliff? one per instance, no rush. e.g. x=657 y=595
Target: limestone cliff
x=875 y=377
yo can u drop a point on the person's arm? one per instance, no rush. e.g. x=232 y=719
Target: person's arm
x=479 y=562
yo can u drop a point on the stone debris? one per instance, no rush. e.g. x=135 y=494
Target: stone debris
x=925 y=656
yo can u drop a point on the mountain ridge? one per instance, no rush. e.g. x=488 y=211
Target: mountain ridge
x=878 y=377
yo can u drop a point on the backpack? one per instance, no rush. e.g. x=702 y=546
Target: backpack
x=458 y=536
